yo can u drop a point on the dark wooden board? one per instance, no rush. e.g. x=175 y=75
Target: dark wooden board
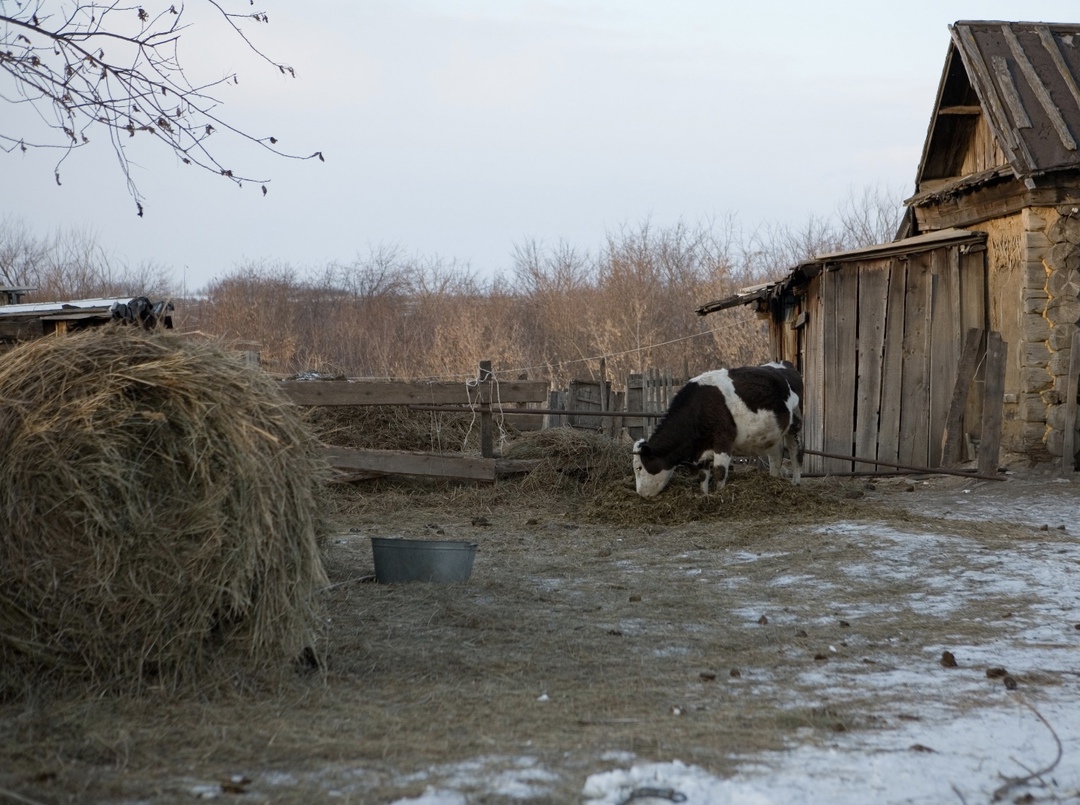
x=399 y=392
x=993 y=403
x=873 y=304
x=952 y=439
x=892 y=365
x=915 y=390
x=839 y=358
x=946 y=339
x=397 y=462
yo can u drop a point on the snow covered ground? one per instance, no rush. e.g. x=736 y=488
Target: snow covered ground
x=964 y=755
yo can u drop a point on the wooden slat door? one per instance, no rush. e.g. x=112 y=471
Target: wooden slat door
x=882 y=353
x=915 y=388
x=813 y=343
x=946 y=343
x=841 y=305
x=892 y=364
x=873 y=310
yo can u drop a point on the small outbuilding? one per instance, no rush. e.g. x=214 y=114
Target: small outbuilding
x=962 y=334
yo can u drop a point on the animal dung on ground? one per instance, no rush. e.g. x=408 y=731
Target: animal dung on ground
x=158 y=513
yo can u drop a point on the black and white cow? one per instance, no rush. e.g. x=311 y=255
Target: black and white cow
x=750 y=410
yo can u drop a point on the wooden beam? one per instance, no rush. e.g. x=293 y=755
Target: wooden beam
x=951 y=439
x=960 y=110
x=400 y=392
x=993 y=403
x=397 y=462
x=1068 y=451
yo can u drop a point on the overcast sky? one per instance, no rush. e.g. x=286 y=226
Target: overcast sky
x=461 y=128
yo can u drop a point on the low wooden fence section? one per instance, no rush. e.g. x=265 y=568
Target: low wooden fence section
x=595 y=405
x=478 y=395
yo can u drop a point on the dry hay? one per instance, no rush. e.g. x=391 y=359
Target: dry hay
x=749 y=494
x=394 y=427
x=158 y=513
x=571 y=458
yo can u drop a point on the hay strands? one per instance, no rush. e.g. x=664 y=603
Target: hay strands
x=905 y=467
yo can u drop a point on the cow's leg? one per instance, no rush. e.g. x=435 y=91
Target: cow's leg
x=795 y=449
x=722 y=464
x=776 y=459
x=705 y=465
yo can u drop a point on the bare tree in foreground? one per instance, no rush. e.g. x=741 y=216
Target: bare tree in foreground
x=114 y=68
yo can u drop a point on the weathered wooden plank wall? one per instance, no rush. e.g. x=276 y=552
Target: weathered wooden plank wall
x=973 y=315
x=872 y=311
x=814 y=374
x=892 y=364
x=841 y=294
x=915 y=392
x=946 y=339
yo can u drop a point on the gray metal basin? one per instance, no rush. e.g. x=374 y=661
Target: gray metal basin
x=399 y=559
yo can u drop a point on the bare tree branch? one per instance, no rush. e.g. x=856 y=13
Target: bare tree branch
x=114 y=67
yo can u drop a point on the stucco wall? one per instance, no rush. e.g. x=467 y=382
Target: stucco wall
x=1007 y=277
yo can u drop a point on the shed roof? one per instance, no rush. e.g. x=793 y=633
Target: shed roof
x=808 y=268
x=1024 y=77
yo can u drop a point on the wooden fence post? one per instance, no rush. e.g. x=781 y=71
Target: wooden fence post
x=1068 y=447
x=487 y=449
x=993 y=403
x=951 y=439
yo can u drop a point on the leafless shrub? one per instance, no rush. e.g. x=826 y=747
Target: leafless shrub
x=72 y=264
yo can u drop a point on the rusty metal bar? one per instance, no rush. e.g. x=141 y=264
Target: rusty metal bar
x=876 y=463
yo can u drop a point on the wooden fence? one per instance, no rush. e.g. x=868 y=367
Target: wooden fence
x=478 y=395
x=586 y=404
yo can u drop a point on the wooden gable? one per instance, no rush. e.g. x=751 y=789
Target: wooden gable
x=1005 y=130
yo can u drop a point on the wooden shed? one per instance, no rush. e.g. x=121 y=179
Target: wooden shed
x=27 y=321
x=990 y=243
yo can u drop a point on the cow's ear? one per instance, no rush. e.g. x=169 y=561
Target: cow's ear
x=637 y=446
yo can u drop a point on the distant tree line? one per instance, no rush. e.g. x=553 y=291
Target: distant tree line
x=553 y=315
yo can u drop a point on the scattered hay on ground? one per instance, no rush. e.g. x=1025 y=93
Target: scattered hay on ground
x=747 y=495
x=158 y=512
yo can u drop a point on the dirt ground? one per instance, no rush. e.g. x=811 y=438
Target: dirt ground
x=587 y=635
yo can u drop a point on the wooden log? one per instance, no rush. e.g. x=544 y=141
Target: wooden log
x=398 y=462
x=951 y=439
x=1068 y=450
x=400 y=392
x=993 y=403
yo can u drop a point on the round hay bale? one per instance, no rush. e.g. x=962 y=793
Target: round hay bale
x=158 y=513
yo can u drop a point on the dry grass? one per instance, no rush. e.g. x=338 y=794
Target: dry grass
x=394 y=427
x=158 y=514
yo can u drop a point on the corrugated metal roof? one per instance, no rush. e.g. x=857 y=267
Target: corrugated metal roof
x=1027 y=78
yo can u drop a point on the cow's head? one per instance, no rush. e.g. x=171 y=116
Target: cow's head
x=649 y=483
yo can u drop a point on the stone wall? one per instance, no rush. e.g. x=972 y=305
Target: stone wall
x=1048 y=319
